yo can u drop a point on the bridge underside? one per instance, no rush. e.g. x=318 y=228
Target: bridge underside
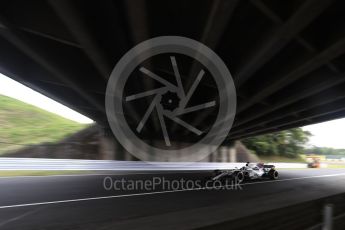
x=287 y=57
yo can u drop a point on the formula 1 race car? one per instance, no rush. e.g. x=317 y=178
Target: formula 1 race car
x=250 y=171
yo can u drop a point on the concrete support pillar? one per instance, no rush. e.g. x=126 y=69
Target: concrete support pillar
x=232 y=154
x=222 y=154
x=217 y=155
x=107 y=148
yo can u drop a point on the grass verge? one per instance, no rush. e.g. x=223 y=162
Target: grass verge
x=12 y=173
x=22 y=124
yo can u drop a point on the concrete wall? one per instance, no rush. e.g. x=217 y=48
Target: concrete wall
x=96 y=142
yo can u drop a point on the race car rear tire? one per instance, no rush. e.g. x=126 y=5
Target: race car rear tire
x=273 y=174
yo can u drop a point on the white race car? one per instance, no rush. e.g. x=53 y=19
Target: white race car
x=259 y=170
x=250 y=171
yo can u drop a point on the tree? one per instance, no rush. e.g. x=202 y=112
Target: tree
x=289 y=143
x=325 y=151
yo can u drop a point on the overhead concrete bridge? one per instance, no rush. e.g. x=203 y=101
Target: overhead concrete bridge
x=286 y=57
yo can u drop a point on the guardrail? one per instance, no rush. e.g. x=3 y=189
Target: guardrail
x=74 y=164
x=321 y=214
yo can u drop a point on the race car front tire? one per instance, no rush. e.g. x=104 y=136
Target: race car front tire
x=246 y=176
x=238 y=177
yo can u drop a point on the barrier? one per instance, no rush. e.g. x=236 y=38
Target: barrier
x=104 y=165
x=321 y=214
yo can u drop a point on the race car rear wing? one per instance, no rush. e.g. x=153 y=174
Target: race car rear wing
x=269 y=166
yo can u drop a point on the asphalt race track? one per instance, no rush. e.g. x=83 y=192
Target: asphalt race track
x=82 y=202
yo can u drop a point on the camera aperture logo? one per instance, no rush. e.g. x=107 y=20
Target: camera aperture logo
x=170 y=99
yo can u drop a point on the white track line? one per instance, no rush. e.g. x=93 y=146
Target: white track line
x=96 y=198
x=18 y=217
x=154 y=193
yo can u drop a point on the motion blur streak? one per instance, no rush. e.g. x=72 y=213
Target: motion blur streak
x=104 y=165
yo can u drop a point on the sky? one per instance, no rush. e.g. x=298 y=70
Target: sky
x=326 y=134
x=11 y=88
